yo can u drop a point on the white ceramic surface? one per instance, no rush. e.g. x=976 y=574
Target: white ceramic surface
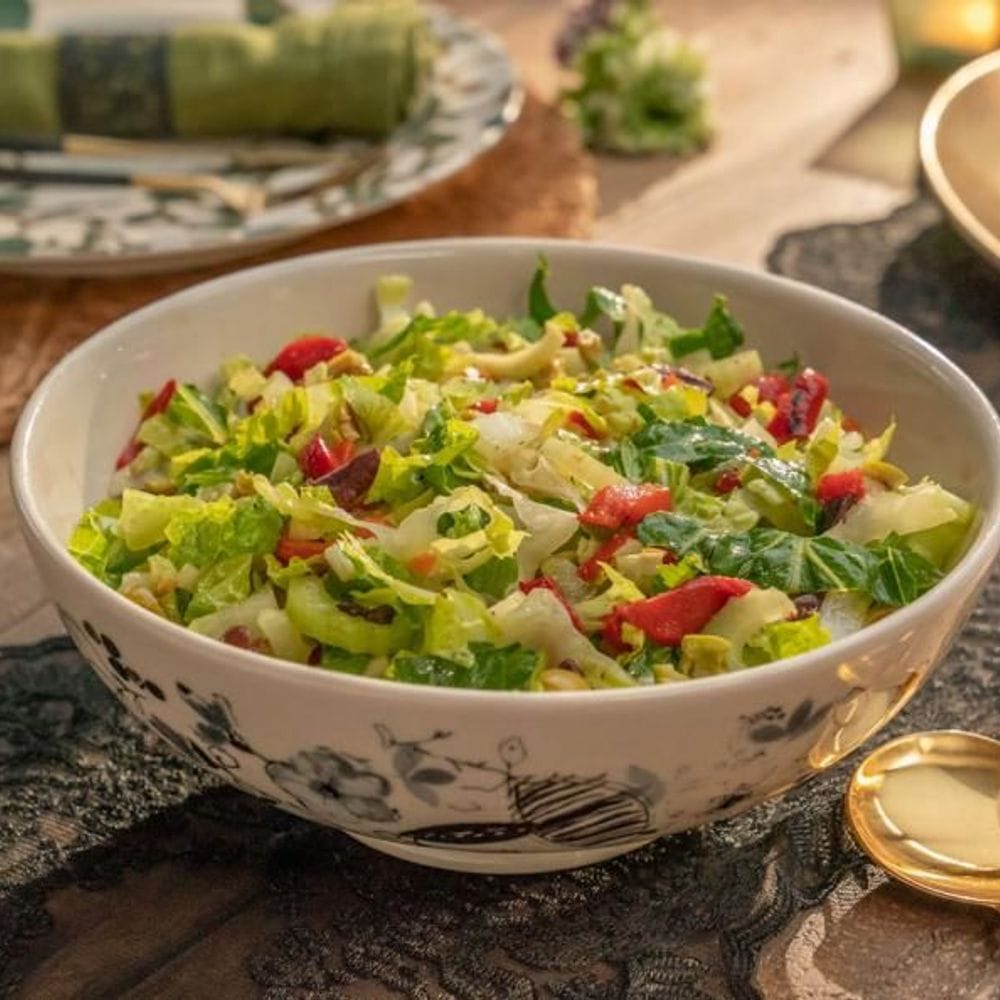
x=489 y=781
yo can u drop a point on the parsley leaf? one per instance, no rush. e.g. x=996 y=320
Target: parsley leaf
x=720 y=335
x=723 y=334
x=540 y=307
x=603 y=302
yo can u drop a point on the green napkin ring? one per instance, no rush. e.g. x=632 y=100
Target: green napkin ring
x=357 y=70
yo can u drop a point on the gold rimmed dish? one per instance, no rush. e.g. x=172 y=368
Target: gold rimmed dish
x=926 y=807
x=960 y=152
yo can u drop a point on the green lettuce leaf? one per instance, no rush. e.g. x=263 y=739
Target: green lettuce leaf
x=905 y=511
x=312 y=512
x=620 y=590
x=380 y=418
x=604 y=302
x=890 y=572
x=211 y=467
x=96 y=544
x=705 y=655
x=392 y=293
x=440 y=461
x=493 y=668
x=427 y=341
x=720 y=335
x=792 y=563
x=145 y=516
x=780 y=640
x=335 y=658
x=493 y=578
x=220 y=585
x=540 y=307
x=191 y=408
x=222 y=528
x=742 y=618
x=456 y=620
x=365 y=565
x=901 y=575
x=697 y=443
x=320 y=616
x=783 y=493
x=273 y=424
x=455 y=557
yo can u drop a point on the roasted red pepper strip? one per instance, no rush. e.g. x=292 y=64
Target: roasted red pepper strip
x=156 y=405
x=770 y=387
x=614 y=507
x=579 y=422
x=798 y=409
x=318 y=459
x=547 y=583
x=668 y=617
x=423 y=563
x=296 y=358
x=836 y=486
x=591 y=569
x=727 y=481
x=301 y=548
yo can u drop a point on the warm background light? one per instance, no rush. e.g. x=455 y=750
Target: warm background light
x=942 y=31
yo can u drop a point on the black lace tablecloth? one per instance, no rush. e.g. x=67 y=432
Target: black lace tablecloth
x=125 y=872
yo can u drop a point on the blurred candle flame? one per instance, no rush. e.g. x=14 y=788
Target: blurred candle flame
x=963 y=25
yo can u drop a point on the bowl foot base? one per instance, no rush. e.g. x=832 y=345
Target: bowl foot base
x=497 y=862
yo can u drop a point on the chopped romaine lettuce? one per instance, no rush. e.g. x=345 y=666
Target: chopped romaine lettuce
x=459 y=501
x=780 y=640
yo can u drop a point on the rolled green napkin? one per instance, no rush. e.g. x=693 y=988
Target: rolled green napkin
x=358 y=70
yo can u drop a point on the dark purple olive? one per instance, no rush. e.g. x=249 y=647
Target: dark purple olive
x=352 y=481
x=381 y=614
x=835 y=511
x=687 y=377
x=805 y=605
x=698 y=381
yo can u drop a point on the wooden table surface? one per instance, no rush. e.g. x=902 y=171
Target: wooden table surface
x=789 y=77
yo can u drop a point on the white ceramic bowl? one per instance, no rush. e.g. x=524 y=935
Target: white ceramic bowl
x=483 y=781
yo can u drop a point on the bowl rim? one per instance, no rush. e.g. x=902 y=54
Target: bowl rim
x=972 y=566
x=982 y=239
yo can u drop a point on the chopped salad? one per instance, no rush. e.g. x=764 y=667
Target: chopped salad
x=554 y=502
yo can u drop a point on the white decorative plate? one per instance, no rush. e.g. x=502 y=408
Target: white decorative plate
x=81 y=229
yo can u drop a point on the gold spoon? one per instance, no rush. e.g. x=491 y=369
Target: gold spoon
x=926 y=807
